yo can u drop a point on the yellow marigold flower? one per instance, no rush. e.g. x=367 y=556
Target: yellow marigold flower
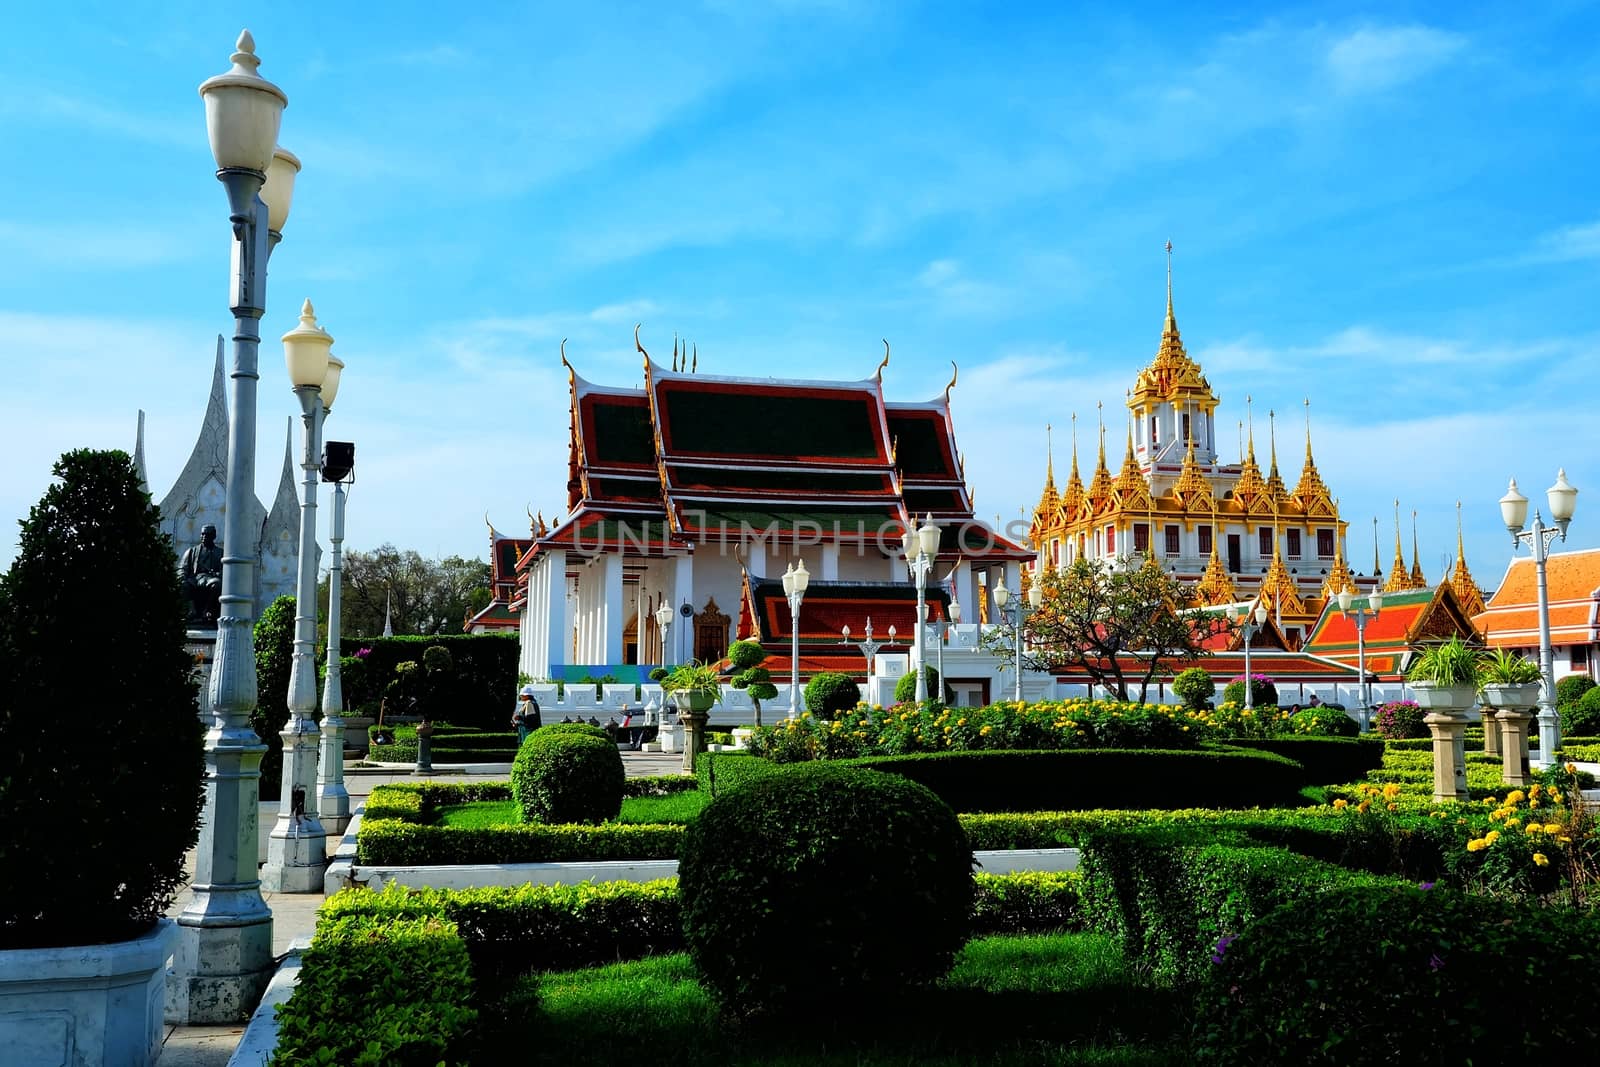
x=1513 y=822
x=1555 y=795
x=1534 y=828
x=1492 y=836
x=1477 y=845
x=1541 y=859
x=961 y=721
x=1391 y=791
x=1340 y=803
x=1491 y=801
x=1516 y=796
x=984 y=732
x=1572 y=768
x=1536 y=789
x=1552 y=828
x=1393 y=806
x=1365 y=805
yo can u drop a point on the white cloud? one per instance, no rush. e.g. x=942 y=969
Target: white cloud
x=1375 y=58
x=1567 y=244
x=92 y=246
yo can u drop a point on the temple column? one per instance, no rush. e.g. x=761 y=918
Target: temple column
x=681 y=647
x=828 y=570
x=756 y=558
x=551 y=606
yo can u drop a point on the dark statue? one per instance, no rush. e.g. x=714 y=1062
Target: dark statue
x=201 y=570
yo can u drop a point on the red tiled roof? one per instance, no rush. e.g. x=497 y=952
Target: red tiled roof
x=1511 y=618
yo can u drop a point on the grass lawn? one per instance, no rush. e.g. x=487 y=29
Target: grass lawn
x=1052 y=999
x=678 y=807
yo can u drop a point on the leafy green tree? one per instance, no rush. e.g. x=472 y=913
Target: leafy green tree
x=1121 y=625
x=101 y=745
x=424 y=596
x=1194 y=687
x=274 y=640
x=746 y=659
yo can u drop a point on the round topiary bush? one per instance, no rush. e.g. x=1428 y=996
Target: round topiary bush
x=1323 y=721
x=101 y=785
x=905 y=690
x=1263 y=693
x=1571 y=689
x=1195 y=688
x=829 y=693
x=564 y=775
x=1582 y=717
x=823 y=885
x=1299 y=984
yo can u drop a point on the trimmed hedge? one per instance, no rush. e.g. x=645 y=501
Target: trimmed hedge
x=567 y=777
x=1077 y=779
x=1026 y=902
x=376 y=991
x=1327 y=760
x=391 y=843
x=1403 y=975
x=717 y=772
x=659 y=785
x=1169 y=903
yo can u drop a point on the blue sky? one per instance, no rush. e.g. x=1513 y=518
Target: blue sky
x=1391 y=210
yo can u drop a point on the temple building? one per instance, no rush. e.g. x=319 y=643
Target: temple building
x=199 y=495
x=697 y=491
x=1235 y=533
x=1511 y=618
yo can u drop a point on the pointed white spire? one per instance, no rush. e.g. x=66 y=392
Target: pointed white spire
x=388 y=621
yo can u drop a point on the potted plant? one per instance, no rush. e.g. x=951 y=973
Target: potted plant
x=693 y=686
x=1507 y=680
x=1445 y=676
x=98 y=819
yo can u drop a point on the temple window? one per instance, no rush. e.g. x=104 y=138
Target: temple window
x=1111 y=539
x=1172 y=541
x=1324 y=542
x=1141 y=537
x=1580 y=657
x=1055 y=553
x=1205 y=540
x=1264 y=540
x=1155 y=433
x=1294 y=543
x=1186 y=427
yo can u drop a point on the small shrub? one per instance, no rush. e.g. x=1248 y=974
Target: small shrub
x=1400 y=719
x=1263 y=693
x=829 y=693
x=823 y=885
x=567 y=776
x=1571 y=689
x=1582 y=716
x=905 y=690
x=1195 y=688
x=1323 y=721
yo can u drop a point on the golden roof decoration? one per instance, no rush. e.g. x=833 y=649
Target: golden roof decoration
x=1172 y=374
x=1466 y=590
x=1399 y=574
x=1310 y=492
x=1072 y=499
x=1044 y=513
x=1216 y=584
x=1131 y=491
x=1099 y=491
x=1250 y=490
x=1192 y=489
x=1280 y=585
x=1418 y=579
x=1276 y=490
x=1339 y=576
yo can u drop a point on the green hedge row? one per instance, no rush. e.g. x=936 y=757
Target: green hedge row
x=1170 y=903
x=659 y=785
x=1327 y=760
x=377 y=990
x=406 y=752
x=508 y=930
x=1221 y=777
x=389 y=842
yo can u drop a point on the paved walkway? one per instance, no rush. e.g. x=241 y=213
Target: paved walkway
x=294 y=915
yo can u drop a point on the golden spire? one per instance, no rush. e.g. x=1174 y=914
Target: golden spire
x=1310 y=492
x=1278 y=583
x=1172 y=374
x=1100 y=484
x=1418 y=580
x=1466 y=590
x=1399 y=576
x=1049 y=458
x=1072 y=500
x=1275 y=487
x=1192 y=490
x=1339 y=576
x=1250 y=490
x=1132 y=491
x=1215 y=585
x=1172 y=322
x=1049 y=499
x=1377 y=571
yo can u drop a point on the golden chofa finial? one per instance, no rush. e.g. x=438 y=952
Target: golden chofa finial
x=878 y=374
x=674 y=351
x=571 y=374
x=694 y=361
x=955 y=372
x=636 y=343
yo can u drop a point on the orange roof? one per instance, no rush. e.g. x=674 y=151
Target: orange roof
x=1511 y=618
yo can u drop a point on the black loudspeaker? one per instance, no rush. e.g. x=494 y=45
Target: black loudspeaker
x=338 y=460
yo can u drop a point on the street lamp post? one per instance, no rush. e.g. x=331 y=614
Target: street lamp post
x=333 y=799
x=1361 y=616
x=224 y=955
x=663 y=617
x=866 y=645
x=1563 y=501
x=922 y=547
x=1003 y=597
x=1250 y=624
x=297 y=846
x=944 y=625
x=795 y=580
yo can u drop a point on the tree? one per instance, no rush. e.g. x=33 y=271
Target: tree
x=101 y=744
x=1121 y=625
x=746 y=659
x=274 y=641
x=424 y=596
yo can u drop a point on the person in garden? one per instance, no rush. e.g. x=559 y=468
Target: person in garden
x=526 y=716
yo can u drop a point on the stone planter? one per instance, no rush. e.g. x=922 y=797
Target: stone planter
x=742 y=736
x=88 y=1005
x=1445 y=698
x=1511 y=694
